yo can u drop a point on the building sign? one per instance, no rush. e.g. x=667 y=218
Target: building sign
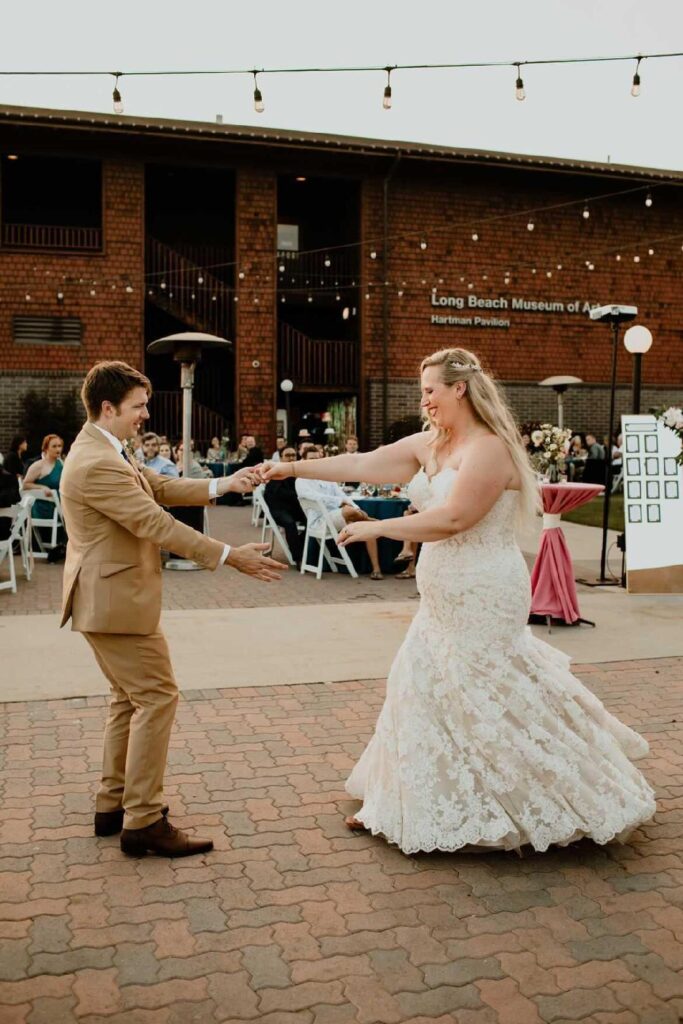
x=468 y=306
x=653 y=507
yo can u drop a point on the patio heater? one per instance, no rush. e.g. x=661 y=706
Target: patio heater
x=559 y=385
x=614 y=315
x=186 y=349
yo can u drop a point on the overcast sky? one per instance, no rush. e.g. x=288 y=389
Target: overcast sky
x=584 y=111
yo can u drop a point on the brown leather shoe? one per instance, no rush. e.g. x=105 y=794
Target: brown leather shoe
x=163 y=839
x=110 y=823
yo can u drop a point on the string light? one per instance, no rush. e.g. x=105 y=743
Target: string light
x=259 y=105
x=519 y=85
x=530 y=224
x=116 y=95
x=635 y=87
x=386 y=101
x=423 y=244
x=327 y=261
x=648 y=200
x=586 y=212
x=475 y=237
x=373 y=255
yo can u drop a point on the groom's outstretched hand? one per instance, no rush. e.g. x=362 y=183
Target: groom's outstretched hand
x=241 y=482
x=251 y=559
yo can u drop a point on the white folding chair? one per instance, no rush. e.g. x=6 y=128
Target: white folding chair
x=21 y=517
x=618 y=481
x=322 y=530
x=270 y=527
x=51 y=524
x=26 y=538
x=256 y=506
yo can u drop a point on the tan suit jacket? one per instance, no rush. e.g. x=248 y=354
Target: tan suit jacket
x=112 y=574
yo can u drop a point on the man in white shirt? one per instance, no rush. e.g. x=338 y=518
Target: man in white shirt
x=342 y=509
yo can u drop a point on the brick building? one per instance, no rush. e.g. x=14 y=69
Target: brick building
x=335 y=262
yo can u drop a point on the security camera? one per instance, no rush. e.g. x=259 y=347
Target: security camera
x=614 y=314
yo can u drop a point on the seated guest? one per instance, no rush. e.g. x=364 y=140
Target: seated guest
x=197 y=472
x=14 y=460
x=153 y=459
x=44 y=475
x=282 y=500
x=166 y=451
x=254 y=454
x=351 y=445
x=595 y=465
x=342 y=509
x=9 y=496
x=280 y=445
x=216 y=451
x=575 y=457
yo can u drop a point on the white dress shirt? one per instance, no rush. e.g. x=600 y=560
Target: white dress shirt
x=213 y=485
x=326 y=492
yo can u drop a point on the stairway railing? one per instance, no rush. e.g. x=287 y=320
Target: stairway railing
x=188 y=292
x=312 y=362
x=167 y=418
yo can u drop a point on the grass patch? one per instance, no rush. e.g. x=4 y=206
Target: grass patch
x=591 y=513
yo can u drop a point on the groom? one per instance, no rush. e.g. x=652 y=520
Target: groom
x=112 y=593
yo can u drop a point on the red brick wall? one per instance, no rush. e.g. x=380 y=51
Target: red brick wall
x=112 y=319
x=449 y=204
x=255 y=322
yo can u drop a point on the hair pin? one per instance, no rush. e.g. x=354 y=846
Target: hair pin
x=465 y=366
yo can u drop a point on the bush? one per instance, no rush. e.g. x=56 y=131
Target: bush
x=43 y=415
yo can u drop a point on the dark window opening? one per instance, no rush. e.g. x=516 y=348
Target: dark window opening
x=51 y=202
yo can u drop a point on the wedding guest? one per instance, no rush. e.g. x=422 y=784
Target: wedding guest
x=14 y=460
x=45 y=474
x=165 y=450
x=280 y=445
x=253 y=453
x=594 y=468
x=351 y=445
x=343 y=509
x=575 y=457
x=215 y=452
x=197 y=472
x=9 y=496
x=283 y=502
x=153 y=459
x=593 y=447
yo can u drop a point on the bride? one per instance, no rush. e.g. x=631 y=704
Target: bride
x=485 y=738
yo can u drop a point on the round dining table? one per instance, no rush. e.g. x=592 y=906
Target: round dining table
x=553 y=590
x=379 y=508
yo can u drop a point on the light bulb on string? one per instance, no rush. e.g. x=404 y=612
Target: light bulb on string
x=519 y=85
x=129 y=289
x=586 y=212
x=116 y=95
x=650 y=252
x=635 y=86
x=591 y=266
x=27 y=297
x=310 y=298
x=618 y=257
x=648 y=200
x=346 y=312
x=259 y=105
x=636 y=259
x=162 y=285
x=281 y=268
x=386 y=100
x=200 y=279
x=93 y=292
x=530 y=224
x=400 y=294
x=60 y=296
x=559 y=266
x=241 y=275
x=282 y=299
x=337 y=298
x=548 y=273
x=475 y=236
x=373 y=254
x=423 y=244
x=327 y=262
x=193 y=296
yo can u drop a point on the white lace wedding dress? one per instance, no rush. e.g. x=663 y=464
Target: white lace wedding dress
x=485 y=737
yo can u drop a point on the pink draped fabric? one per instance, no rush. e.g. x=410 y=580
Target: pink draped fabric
x=553 y=591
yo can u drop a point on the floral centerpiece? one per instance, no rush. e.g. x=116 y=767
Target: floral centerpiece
x=550 y=445
x=673 y=419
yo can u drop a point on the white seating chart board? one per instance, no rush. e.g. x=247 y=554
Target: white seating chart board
x=653 y=506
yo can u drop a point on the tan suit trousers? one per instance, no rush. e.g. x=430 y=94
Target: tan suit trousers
x=138 y=729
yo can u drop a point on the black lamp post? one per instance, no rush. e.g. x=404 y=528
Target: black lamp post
x=612 y=315
x=637 y=341
x=287 y=386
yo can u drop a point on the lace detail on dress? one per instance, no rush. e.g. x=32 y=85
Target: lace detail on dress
x=486 y=738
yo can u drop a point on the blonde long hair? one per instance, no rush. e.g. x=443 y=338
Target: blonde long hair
x=490 y=407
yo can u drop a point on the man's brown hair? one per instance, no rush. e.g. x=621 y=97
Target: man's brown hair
x=110 y=381
x=150 y=436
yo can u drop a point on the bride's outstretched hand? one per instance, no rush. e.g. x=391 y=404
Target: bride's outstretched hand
x=354 y=532
x=275 y=471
